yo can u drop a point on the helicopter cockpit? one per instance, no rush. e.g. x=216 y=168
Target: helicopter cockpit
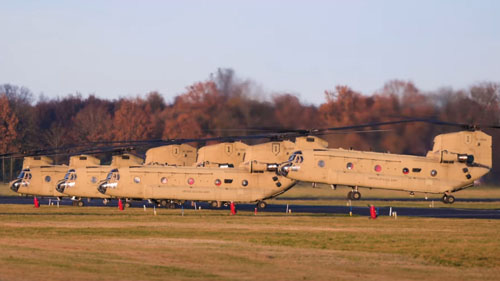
x=70 y=175
x=296 y=157
x=69 y=180
x=25 y=174
x=111 y=181
x=23 y=179
x=113 y=176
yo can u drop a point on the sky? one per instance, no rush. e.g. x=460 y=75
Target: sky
x=127 y=48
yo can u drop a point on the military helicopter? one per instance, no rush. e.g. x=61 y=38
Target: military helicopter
x=38 y=177
x=84 y=174
x=455 y=162
x=173 y=185
x=83 y=181
x=36 y=168
x=253 y=166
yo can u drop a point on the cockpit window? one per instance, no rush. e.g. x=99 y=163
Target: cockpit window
x=292 y=157
x=70 y=175
x=113 y=175
x=24 y=173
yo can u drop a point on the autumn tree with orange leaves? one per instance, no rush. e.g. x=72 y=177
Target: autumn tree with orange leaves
x=8 y=123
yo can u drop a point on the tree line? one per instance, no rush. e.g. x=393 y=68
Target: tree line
x=225 y=105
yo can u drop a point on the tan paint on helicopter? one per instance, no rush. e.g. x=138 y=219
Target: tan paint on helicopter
x=172 y=155
x=146 y=182
x=36 y=161
x=221 y=153
x=278 y=152
x=39 y=177
x=195 y=183
x=238 y=153
x=441 y=171
x=83 y=178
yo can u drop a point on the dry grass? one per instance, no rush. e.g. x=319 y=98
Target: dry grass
x=5 y=190
x=104 y=243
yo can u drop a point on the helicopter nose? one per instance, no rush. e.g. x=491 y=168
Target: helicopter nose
x=61 y=186
x=284 y=169
x=102 y=187
x=15 y=185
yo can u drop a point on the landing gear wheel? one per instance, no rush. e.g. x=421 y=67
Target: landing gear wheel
x=349 y=195
x=171 y=205
x=163 y=203
x=448 y=199
x=356 y=195
x=261 y=205
x=214 y=204
x=80 y=203
x=128 y=204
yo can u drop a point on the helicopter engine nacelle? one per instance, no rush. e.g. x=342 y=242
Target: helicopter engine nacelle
x=259 y=167
x=465 y=158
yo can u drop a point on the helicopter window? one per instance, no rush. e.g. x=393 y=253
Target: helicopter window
x=47 y=178
x=190 y=181
x=292 y=157
x=299 y=159
x=218 y=182
x=137 y=179
x=350 y=166
x=406 y=171
x=21 y=175
x=378 y=168
x=434 y=173
x=228 y=180
x=416 y=170
x=73 y=176
x=125 y=157
x=321 y=163
x=164 y=180
x=244 y=182
x=83 y=158
x=27 y=175
x=93 y=180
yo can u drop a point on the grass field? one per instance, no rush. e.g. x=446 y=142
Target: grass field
x=105 y=243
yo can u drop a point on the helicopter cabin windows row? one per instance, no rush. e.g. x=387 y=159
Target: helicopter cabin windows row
x=191 y=181
x=376 y=168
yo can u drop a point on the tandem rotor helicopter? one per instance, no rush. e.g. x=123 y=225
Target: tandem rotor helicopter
x=236 y=172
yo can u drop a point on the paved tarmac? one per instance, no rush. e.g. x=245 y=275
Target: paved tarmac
x=436 y=212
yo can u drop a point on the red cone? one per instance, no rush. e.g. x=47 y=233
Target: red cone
x=233 y=209
x=36 y=203
x=373 y=213
x=120 y=204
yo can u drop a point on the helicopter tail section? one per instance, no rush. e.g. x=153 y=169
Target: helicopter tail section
x=470 y=147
